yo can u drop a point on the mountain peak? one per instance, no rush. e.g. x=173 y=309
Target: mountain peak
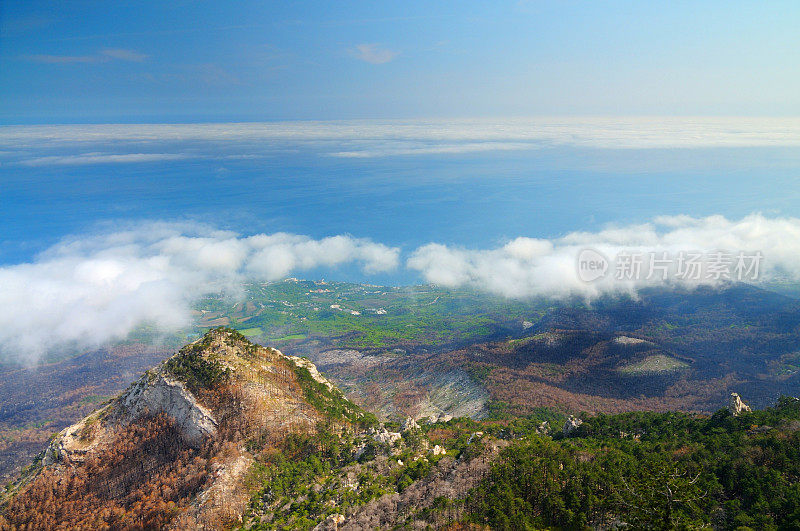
x=200 y=410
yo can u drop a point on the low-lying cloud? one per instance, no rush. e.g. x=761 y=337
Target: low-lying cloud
x=526 y=267
x=102 y=158
x=86 y=291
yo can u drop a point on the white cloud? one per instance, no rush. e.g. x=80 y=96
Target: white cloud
x=277 y=255
x=63 y=59
x=420 y=148
x=374 y=53
x=526 y=267
x=370 y=138
x=86 y=291
x=102 y=158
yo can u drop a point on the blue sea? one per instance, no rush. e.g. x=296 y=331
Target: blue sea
x=470 y=200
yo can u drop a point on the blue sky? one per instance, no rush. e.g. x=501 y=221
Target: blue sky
x=181 y=61
x=153 y=151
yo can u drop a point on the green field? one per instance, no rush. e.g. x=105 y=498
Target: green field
x=367 y=317
x=656 y=364
x=293 y=337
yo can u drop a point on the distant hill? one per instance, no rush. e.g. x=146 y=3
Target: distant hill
x=665 y=350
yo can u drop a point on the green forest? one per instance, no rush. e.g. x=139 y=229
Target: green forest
x=651 y=471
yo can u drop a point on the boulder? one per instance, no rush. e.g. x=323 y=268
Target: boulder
x=438 y=450
x=736 y=406
x=384 y=436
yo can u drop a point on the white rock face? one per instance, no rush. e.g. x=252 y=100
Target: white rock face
x=152 y=394
x=571 y=425
x=384 y=436
x=451 y=394
x=331 y=523
x=736 y=406
x=169 y=396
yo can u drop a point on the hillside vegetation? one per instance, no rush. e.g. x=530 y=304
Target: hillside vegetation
x=177 y=436
x=651 y=471
x=228 y=434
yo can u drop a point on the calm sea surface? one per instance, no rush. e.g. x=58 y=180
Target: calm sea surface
x=469 y=200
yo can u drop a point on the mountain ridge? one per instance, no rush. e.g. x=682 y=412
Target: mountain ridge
x=228 y=434
x=207 y=400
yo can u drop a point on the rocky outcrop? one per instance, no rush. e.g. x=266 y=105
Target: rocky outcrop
x=409 y=425
x=160 y=391
x=384 y=436
x=73 y=443
x=408 y=386
x=332 y=522
x=154 y=393
x=312 y=369
x=451 y=394
x=169 y=396
x=571 y=425
x=736 y=406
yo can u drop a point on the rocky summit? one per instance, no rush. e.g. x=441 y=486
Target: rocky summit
x=172 y=449
x=218 y=436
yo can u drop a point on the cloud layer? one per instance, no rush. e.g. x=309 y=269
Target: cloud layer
x=102 y=56
x=86 y=291
x=53 y=144
x=526 y=267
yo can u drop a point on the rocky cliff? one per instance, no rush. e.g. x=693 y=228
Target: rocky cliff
x=194 y=413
